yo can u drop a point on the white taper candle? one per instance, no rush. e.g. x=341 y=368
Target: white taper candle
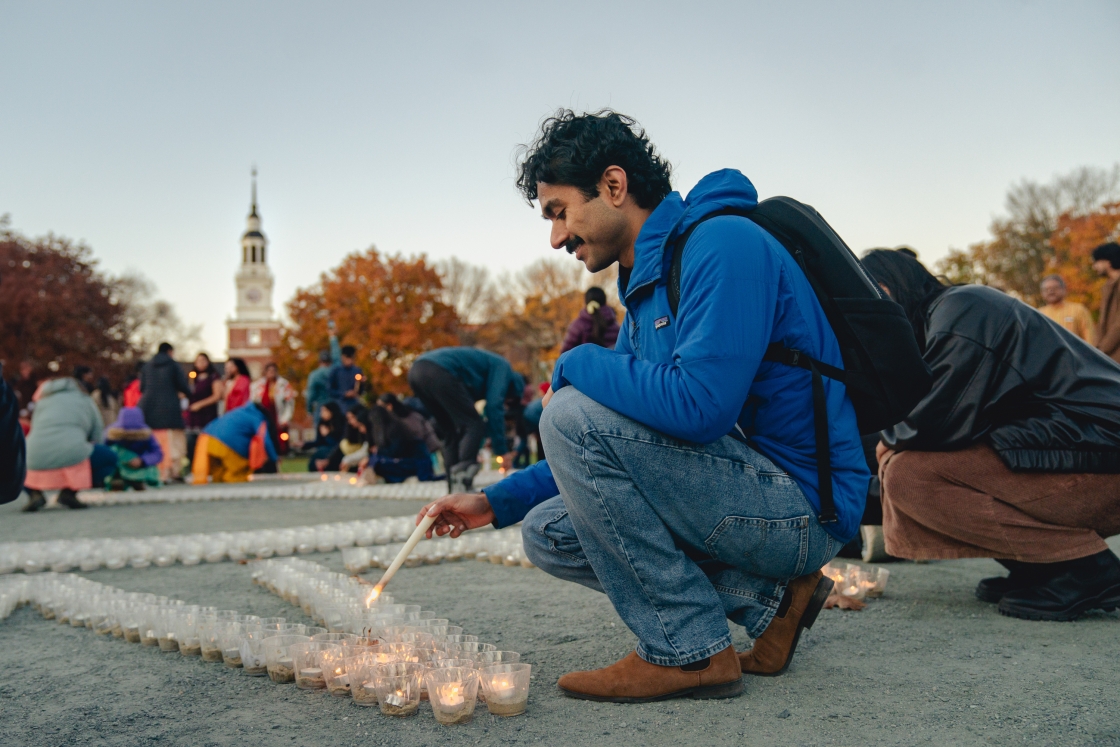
x=417 y=535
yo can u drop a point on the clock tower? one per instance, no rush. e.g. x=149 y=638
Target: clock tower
x=253 y=331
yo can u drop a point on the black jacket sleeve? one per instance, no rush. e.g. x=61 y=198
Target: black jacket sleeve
x=13 y=450
x=952 y=415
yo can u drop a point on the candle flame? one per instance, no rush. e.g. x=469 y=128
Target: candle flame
x=373 y=595
x=353 y=481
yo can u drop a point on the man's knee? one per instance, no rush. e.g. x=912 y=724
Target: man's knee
x=568 y=417
x=548 y=537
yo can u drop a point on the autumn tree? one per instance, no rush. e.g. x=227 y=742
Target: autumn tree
x=1019 y=253
x=390 y=308
x=58 y=310
x=528 y=318
x=1073 y=242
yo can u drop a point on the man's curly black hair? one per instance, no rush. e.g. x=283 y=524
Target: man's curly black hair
x=574 y=150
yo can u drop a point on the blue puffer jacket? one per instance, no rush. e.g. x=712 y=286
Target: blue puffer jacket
x=696 y=376
x=237 y=427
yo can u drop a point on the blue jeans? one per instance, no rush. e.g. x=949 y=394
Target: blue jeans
x=102 y=464
x=681 y=537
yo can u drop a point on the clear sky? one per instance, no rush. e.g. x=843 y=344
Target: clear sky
x=133 y=126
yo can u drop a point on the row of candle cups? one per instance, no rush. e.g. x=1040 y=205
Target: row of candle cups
x=857 y=581
x=323 y=486
x=368 y=632
x=502 y=547
x=87 y=555
x=396 y=675
x=393 y=670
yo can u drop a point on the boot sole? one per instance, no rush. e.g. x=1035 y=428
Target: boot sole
x=812 y=609
x=1107 y=601
x=709 y=692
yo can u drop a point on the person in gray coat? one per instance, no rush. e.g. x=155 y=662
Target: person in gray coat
x=64 y=449
x=162 y=381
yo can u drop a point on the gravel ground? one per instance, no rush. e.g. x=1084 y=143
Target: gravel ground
x=925 y=664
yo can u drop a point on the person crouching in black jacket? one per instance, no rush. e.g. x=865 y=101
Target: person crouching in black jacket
x=1013 y=455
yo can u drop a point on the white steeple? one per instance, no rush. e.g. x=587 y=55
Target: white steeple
x=254 y=279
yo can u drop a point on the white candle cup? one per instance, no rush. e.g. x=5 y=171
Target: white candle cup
x=398 y=687
x=453 y=692
x=506 y=687
x=278 y=661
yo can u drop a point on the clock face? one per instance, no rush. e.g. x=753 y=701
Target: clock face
x=253 y=295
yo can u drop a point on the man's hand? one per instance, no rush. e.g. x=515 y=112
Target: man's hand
x=547 y=397
x=135 y=463
x=506 y=460
x=883 y=454
x=458 y=513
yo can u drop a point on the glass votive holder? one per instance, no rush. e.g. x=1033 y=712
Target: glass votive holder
x=252 y=652
x=308 y=664
x=337 y=678
x=398 y=687
x=453 y=692
x=853 y=583
x=877 y=578
x=506 y=687
x=229 y=642
x=360 y=672
x=211 y=649
x=488 y=658
x=401 y=651
x=277 y=658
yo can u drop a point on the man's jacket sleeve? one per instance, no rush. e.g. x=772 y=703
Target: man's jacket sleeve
x=497 y=386
x=516 y=495
x=952 y=415
x=729 y=285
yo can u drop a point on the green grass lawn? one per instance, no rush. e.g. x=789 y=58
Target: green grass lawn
x=294 y=464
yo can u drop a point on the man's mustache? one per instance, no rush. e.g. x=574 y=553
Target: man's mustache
x=572 y=245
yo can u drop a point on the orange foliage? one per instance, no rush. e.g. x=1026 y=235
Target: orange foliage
x=389 y=308
x=1073 y=243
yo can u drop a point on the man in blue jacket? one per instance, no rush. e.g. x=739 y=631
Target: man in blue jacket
x=449 y=381
x=345 y=379
x=681 y=477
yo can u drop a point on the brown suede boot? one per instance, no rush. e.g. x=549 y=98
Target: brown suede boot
x=635 y=680
x=773 y=650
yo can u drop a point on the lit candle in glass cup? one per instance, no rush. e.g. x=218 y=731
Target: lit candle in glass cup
x=360 y=672
x=278 y=660
x=335 y=674
x=308 y=664
x=878 y=581
x=398 y=687
x=453 y=692
x=852 y=585
x=506 y=687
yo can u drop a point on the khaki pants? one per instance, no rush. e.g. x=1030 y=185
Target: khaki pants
x=174 y=445
x=968 y=504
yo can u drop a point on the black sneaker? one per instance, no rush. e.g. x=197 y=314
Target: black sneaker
x=995 y=588
x=35 y=501
x=1082 y=585
x=69 y=499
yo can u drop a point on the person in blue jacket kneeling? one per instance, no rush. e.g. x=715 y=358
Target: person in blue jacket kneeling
x=681 y=477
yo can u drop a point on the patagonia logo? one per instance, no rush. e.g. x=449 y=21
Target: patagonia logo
x=661 y=322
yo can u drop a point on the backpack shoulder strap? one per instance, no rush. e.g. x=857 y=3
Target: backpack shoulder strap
x=674 y=286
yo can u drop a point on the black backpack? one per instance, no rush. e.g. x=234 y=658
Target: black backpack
x=883 y=369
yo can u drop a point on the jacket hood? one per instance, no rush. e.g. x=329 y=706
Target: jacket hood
x=726 y=188
x=163 y=359
x=54 y=386
x=130 y=419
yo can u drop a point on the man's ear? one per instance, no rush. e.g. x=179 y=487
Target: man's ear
x=614 y=186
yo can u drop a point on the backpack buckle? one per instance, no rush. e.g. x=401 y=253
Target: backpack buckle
x=794 y=357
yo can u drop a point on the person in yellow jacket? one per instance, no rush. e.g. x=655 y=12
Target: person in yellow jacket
x=231 y=447
x=1073 y=316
